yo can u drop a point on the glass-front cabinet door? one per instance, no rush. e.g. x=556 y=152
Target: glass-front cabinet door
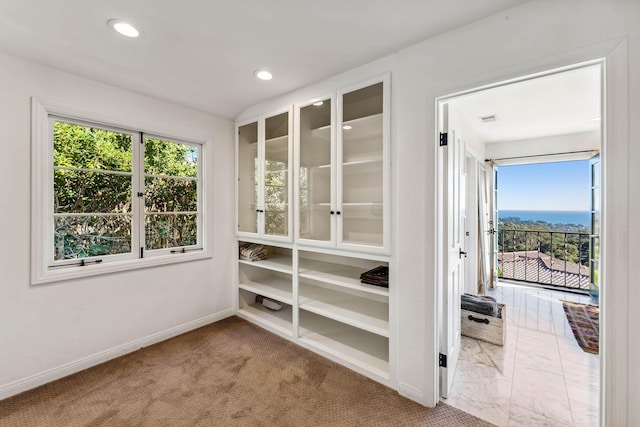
x=276 y=175
x=342 y=169
x=363 y=166
x=264 y=157
x=315 y=173
x=248 y=178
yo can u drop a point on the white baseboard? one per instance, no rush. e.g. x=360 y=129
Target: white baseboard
x=411 y=393
x=53 y=374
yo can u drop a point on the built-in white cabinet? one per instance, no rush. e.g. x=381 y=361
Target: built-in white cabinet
x=321 y=304
x=313 y=190
x=342 y=169
x=264 y=192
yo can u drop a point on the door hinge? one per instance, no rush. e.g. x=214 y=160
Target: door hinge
x=443 y=360
x=443 y=139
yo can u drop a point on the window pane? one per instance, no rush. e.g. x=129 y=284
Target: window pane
x=85 y=147
x=170 y=158
x=90 y=192
x=170 y=195
x=170 y=230
x=166 y=194
x=86 y=236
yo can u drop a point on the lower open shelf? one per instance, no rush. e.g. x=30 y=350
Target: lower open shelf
x=357 y=347
x=280 y=321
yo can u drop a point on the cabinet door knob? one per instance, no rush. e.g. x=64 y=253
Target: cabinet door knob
x=338 y=212
x=331 y=212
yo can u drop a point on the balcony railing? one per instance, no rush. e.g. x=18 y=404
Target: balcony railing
x=552 y=258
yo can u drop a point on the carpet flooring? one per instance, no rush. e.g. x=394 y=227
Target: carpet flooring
x=584 y=320
x=230 y=373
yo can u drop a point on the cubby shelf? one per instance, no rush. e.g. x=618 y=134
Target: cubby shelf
x=276 y=320
x=362 y=313
x=337 y=274
x=272 y=287
x=350 y=344
x=281 y=263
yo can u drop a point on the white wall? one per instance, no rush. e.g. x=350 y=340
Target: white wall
x=557 y=144
x=532 y=37
x=46 y=329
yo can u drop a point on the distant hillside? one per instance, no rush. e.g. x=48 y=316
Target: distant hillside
x=519 y=224
x=570 y=247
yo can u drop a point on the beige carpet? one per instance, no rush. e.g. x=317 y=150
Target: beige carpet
x=230 y=373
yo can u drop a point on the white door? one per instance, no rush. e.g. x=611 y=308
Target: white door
x=453 y=237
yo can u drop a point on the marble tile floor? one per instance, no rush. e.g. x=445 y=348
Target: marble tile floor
x=540 y=377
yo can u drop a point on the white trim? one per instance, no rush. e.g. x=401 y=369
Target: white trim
x=411 y=393
x=61 y=371
x=58 y=275
x=615 y=408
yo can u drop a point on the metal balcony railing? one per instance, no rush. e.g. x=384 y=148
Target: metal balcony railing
x=552 y=258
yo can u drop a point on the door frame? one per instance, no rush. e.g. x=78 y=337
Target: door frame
x=614 y=327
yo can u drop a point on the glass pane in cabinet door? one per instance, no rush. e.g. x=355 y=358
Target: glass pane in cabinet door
x=276 y=168
x=315 y=171
x=248 y=178
x=362 y=167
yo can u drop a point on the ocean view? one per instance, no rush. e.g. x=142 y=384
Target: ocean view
x=552 y=217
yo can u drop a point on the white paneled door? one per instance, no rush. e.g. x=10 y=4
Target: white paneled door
x=453 y=155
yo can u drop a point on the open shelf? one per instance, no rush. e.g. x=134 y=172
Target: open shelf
x=271 y=286
x=357 y=311
x=275 y=263
x=338 y=274
x=277 y=320
x=355 y=346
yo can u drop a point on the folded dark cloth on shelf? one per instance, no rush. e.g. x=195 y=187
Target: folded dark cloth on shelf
x=480 y=304
x=379 y=276
x=253 y=252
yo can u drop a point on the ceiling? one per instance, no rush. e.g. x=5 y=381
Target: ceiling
x=203 y=53
x=556 y=104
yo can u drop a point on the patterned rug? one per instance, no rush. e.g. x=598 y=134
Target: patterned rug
x=584 y=322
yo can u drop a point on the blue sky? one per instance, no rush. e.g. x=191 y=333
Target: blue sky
x=559 y=186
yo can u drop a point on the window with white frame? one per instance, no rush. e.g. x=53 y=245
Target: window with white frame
x=108 y=194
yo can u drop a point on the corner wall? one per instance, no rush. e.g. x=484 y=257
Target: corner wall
x=51 y=330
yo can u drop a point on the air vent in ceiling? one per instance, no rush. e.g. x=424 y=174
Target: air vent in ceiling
x=489 y=118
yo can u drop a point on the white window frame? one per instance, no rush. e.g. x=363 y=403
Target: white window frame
x=43 y=267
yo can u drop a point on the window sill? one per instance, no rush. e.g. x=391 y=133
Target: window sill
x=71 y=273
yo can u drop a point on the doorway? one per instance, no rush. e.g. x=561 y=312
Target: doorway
x=550 y=117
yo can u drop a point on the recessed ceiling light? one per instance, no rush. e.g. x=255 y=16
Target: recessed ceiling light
x=319 y=103
x=124 y=28
x=594 y=119
x=346 y=127
x=264 y=75
x=489 y=118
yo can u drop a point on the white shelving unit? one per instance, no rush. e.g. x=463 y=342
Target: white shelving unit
x=366 y=352
x=333 y=155
x=271 y=278
x=354 y=310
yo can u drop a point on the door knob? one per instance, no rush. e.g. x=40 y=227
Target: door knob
x=462 y=253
